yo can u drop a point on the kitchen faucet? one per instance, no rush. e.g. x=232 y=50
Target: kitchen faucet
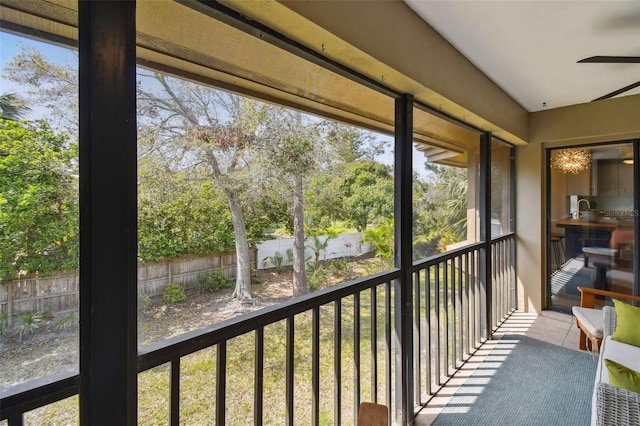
x=588 y=205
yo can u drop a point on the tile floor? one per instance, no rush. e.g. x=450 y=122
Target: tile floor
x=552 y=327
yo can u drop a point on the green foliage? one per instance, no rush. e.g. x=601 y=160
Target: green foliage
x=317 y=276
x=276 y=260
x=27 y=323
x=440 y=210
x=425 y=246
x=4 y=321
x=48 y=84
x=174 y=293
x=213 y=281
x=340 y=263
x=179 y=213
x=38 y=199
x=326 y=418
x=381 y=239
x=12 y=107
x=143 y=301
x=317 y=244
x=67 y=320
x=358 y=193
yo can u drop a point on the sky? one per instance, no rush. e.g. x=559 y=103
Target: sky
x=10 y=46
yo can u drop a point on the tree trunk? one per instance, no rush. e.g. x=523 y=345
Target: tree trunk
x=299 y=272
x=243 y=273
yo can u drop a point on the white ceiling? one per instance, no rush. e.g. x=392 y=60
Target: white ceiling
x=531 y=48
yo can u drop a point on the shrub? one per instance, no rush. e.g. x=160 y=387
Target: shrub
x=276 y=260
x=340 y=263
x=27 y=323
x=213 y=281
x=174 y=293
x=143 y=301
x=316 y=277
x=67 y=320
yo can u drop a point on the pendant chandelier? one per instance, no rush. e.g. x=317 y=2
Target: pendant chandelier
x=572 y=160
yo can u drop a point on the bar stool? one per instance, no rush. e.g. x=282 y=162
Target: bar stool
x=557 y=246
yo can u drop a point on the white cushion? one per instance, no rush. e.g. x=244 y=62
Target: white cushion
x=590 y=318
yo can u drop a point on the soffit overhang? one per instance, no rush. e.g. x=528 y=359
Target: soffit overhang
x=183 y=40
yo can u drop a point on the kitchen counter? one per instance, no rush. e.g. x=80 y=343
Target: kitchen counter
x=579 y=232
x=604 y=224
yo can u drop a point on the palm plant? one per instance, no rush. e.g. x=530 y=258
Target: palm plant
x=380 y=238
x=12 y=107
x=317 y=245
x=28 y=323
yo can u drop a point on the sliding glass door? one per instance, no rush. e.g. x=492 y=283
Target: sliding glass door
x=592 y=216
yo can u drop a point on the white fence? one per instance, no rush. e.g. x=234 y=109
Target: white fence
x=341 y=246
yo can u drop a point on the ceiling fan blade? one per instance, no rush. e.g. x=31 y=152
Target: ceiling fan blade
x=617 y=92
x=611 y=60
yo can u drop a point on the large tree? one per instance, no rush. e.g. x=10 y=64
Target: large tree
x=50 y=85
x=212 y=133
x=358 y=193
x=38 y=199
x=293 y=144
x=191 y=125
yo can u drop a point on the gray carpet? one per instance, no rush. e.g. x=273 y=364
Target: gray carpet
x=524 y=382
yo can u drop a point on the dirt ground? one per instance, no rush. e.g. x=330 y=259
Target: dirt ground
x=48 y=350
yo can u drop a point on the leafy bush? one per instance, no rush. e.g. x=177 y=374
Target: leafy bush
x=213 y=281
x=143 y=301
x=174 y=293
x=276 y=260
x=67 y=320
x=340 y=263
x=316 y=276
x=27 y=323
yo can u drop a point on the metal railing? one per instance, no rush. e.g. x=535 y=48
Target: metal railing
x=450 y=307
x=349 y=325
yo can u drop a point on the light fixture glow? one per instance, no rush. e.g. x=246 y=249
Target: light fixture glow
x=572 y=160
x=628 y=161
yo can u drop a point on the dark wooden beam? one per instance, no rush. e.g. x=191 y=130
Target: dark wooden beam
x=108 y=225
x=403 y=210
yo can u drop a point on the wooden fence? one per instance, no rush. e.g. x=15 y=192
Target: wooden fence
x=59 y=291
